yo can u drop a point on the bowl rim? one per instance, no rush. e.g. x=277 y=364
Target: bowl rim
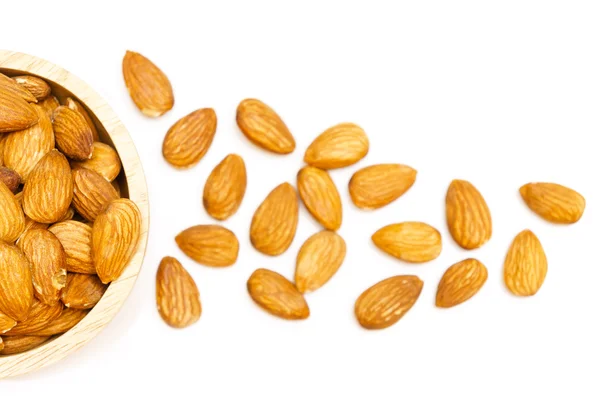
x=110 y=304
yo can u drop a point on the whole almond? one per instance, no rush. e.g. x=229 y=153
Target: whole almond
x=525 y=266
x=12 y=220
x=15 y=113
x=49 y=105
x=320 y=196
x=384 y=303
x=40 y=315
x=339 y=146
x=263 y=127
x=10 y=178
x=378 y=185
x=76 y=240
x=8 y=85
x=148 y=86
x=274 y=222
x=20 y=344
x=6 y=323
x=468 y=216
x=48 y=192
x=34 y=85
x=115 y=238
x=211 y=245
x=25 y=148
x=67 y=320
x=177 y=296
x=189 y=139
x=277 y=295
x=318 y=260
x=91 y=193
x=16 y=289
x=414 y=242
x=105 y=161
x=82 y=291
x=48 y=264
x=73 y=134
x=225 y=188
x=553 y=202
x=76 y=106
x=460 y=282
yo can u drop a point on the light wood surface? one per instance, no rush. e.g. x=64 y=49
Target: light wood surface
x=132 y=183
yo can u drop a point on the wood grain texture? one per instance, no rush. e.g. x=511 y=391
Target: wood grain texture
x=113 y=132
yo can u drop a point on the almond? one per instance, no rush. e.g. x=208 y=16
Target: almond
x=339 y=146
x=15 y=113
x=378 y=185
x=525 y=266
x=16 y=290
x=6 y=323
x=117 y=187
x=210 y=245
x=34 y=85
x=320 y=196
x=225 y=188
x=73 y=134
x=274 y=223
x=2 y=140
x=76 y=106
x=40 y=315
x=48 y=192
x=67 y=320
x=460 y=282
x=82 y=291
x=20 y=344
x=29 y=226
x=24 y=149
x=177 y=296
x=8 y=85
x=384 y=303
x=10 y=178
x=277 y=295
x=189 y=139
x=105 y=161
x=115 y=238
x=263 y=127
x=12 y=220
x=318 y=260
x=91 y=193
x=76 y=240
x=148 y=86
x=468 y=216
x=553 y=202
x=49 y=105
x=414 y=242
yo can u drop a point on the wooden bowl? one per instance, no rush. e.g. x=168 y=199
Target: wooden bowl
x=133 y=185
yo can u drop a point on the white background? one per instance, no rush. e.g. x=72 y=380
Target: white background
x=499 y=93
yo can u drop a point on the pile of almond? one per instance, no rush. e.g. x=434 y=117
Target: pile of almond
x=273 y=226
x=65 y=231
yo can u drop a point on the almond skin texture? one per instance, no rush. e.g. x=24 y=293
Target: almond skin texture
x=15 y=113
x=378 y=185
x=2 y=140
x=67 y=320
x=10 y=178
x=115 y=238
x=20 y=344
x=277 y=295
x=384 y=303
x=105 y=161
x=72 y=133
x=460 y=282
x=525 y=266
x=16 y=289
x=6 y=323
x=40 y=315
x=9 y=85
x=48 y=264
x=48 y=192
x=189 y=139
x=49 y=104
x=12 y=220
x=320 y=196
x=468 y=216
x=274 y=223
x=263 y=127
x=76 y=240
x=553 y=202
x=76 y=106
x=318 y=260
x=339 y=146
x=34 y=85
x=210 y=245
x=177 y=296
x=83 y=291
x=413 y=242
x=225 y=188
x=91 y=193
x=148 y=86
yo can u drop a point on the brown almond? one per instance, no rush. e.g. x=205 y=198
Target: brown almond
x=318 y=260
x=2 y=140
x=468 y=216
x=320 y=196
x=6 y=323
x=460 y=282
x=8 y=85
x=34 y=85
x=277 y=295
x=148 y=86
x=29 y=226
x=553 y=202
x=15 y=113
x=91 y=193
x=225 y=188
x=76 y=106
x=49 y=105
x=12 y=220
x=76 y=240
x=10 y=178
x=48 y=192
x=21 y=344
x=211 y=245
x=189 y=139
x=339 y=146
x=82 y=291
x=414 y=242
x=72 y=133
x=274 y=222
x=263 y=127
x=40 y=315
x=115 y=238
x=177 y=296
x=378 y=185
x=525 y=266
x=384 y=303
x=67 y=320
x=105 y=161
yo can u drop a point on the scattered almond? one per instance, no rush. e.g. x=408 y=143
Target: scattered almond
x=320 y=196
x=468 y=216
x=105 y=161
x=20 y=344
x=263 y=127
x=76 y=240
x=10 y=178
x=277 y=295
x=76 y=106
x=339 y=146
x=177 y=296
x=12 y=220
x=525 y=266
x=82 y=291
x=553 y=202
x=40 y=315
x=210 y=245
x=318 y=260
x=73 y=134
x=414 y=242
x=34 y=85
x=91 y=193
x=379 y=185
x=67 y=320
x=225 y=188
x=460 y=282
